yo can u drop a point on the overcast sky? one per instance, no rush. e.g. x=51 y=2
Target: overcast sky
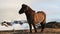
x=9 y=9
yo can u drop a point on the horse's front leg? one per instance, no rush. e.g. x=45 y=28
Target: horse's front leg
x=30 y=27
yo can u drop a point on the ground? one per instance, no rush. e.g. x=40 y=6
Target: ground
x=46 y=31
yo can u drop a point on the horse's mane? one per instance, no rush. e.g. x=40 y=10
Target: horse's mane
x=28 y=7
x=25 y=5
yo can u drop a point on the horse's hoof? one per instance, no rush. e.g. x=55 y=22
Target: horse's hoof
x=35 y=31
x=30 y=32
x=41 y=31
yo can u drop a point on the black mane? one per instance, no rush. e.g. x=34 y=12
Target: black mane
x=24 y=5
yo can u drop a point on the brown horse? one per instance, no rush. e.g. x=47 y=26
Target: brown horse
x=33 y=18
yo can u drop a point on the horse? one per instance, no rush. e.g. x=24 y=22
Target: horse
x=33 y=17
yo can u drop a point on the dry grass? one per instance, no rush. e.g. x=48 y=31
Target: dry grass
x=52 y=30
x=46 y=31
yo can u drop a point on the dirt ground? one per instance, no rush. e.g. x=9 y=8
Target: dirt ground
x=46 y=31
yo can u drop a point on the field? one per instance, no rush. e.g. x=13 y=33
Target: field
x=46 y=31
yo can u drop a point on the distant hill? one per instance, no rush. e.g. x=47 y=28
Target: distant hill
x=53 y=24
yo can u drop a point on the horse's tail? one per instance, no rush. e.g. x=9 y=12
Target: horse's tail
x=43 y=23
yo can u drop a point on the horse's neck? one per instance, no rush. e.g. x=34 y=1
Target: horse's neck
x=29 y=13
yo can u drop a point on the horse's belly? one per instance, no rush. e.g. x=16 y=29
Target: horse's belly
x=38 y=18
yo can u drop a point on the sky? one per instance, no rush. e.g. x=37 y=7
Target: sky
x=9 y=9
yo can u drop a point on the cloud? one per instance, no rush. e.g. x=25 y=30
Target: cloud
x=9 y=8
x=50 y=7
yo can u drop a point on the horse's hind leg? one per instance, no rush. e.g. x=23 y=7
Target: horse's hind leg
x=34 y=27
x=42 y=27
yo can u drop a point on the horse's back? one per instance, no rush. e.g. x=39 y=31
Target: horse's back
x=39 y=17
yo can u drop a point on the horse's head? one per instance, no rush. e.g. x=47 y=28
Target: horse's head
x=23 y=9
